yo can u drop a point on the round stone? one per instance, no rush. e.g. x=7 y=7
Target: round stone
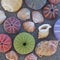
x=35 y=4
x=57 y=29
x=11 y=5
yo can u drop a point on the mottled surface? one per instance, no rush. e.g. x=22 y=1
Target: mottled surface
x=51 y=36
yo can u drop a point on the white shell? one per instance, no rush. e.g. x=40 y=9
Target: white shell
x=31 y=57
x=24 y=14
x=11 y=5
x=29 y=26
x=46 y=48
x=37 y=17
x=2 y=16
x=11 y=55
x=43 y=31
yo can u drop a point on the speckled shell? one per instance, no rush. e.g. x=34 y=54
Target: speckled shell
x=46 y=48
x=12 y=25
x=35 y=4
x=50 y=11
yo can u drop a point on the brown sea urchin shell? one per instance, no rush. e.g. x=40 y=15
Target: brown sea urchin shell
x=46 y=48
x=29 y=26
x=50 y=11
x=11 y=55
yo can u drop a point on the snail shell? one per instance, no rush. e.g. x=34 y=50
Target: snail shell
x=46 y=48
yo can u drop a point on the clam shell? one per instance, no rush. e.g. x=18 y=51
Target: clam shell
x=11 y=55
x=29 y=26
x=2 y=16
x=37 y=17
x=24 y=14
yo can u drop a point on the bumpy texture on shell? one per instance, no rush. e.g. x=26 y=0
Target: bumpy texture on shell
x=24 y=14
x=35 y=4
x=54 y=1
x=50 y=11
x=37 y=17
x=11 y=55
x=11 y=5
x=12 y=25
x=5 y=43
x=29 y=26
x=2 y=16
x=31 y=57
x=46 y=48
x=24 y=43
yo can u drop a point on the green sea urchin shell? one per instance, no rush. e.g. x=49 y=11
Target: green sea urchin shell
x=24 y=43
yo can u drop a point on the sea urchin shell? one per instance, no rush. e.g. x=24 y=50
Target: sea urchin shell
x=12 y=25
x=50 y=11
x=5 y=43
x=24 y=43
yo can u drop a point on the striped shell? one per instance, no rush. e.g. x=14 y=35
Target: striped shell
x=12 y=25
x=57 y=29
x=54 y=1
x=50 y=11
x=5 y=43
